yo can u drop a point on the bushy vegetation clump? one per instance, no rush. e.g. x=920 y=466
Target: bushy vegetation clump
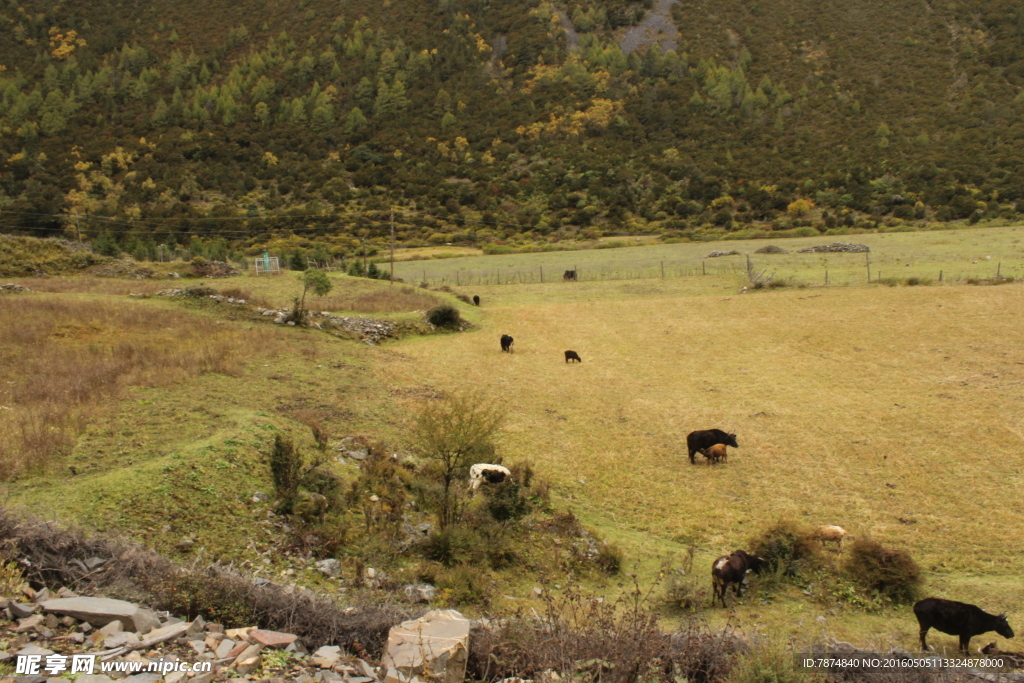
x=888 y=573
x=445 y=316
x=788 y=547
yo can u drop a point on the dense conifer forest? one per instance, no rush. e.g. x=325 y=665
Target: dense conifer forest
x=507 y=125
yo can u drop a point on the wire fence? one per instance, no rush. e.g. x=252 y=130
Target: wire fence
x=837 y=274
x=539 y=274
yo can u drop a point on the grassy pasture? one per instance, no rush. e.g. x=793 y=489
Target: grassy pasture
x=959 y=254
x=893 y=412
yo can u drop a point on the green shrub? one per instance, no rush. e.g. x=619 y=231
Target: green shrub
x=453 y=546
x=445 y=316
x=886 y=572
x=465 y=585
x=787 y=546
x=506 y=502
x=609 y=558
x=285 y=467
x=106 y=245
x=914 y=281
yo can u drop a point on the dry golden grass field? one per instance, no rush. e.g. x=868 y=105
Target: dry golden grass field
x=897 y=413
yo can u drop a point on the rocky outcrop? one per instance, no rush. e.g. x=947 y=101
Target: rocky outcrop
x=11 y=287
x=716 y=254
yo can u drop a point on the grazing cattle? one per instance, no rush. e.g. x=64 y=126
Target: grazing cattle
x=476 y=300
x=569 y=275
x=958 y=619
x=706 y=438
x=733 y=569
x=506 y=343
x=1012 y=659
x=716 y=453
x=482 y=473
x=572 y=355
x=830 y=534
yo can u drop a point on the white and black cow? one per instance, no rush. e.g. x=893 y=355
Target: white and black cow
x=483 y=473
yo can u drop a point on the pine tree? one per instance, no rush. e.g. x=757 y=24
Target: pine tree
x=51 y=115
x=364 y=94
x=159 y=116
x=355 y=122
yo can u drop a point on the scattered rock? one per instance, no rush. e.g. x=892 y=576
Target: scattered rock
x=11 y=287
x=272 y=639
x=21 y=610
x=835 y=247
x=143 y=678
x=330 y=567
x=120 y=639
x=102 y=611
x=420 y=592
x=260 y=497
x=716 y=254
x=29 y=623
x=326 y=657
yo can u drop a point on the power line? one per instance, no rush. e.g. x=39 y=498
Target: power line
x=171 y=223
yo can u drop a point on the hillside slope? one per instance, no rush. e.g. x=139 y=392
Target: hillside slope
x=490 y=123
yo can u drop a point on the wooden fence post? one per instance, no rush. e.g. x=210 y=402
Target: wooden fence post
x=541 y=273
x=940 y=276
x=826 y=276
x=867 y=260
x=703 y=268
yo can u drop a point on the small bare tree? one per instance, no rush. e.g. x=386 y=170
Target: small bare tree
x=453 y=433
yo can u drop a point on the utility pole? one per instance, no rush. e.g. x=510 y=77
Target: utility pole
x=392 y=245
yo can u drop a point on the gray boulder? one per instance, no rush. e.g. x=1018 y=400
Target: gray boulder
x=102 y=611
x=434 y=647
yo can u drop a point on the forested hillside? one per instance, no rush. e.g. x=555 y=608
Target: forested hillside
x=504 y=123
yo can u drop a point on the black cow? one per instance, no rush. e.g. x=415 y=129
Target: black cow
x=506 y=343
x=733 y=569
x=569 y=275
x=706 y=438
x=958 y=619
x=476 y=300
x=572 y=355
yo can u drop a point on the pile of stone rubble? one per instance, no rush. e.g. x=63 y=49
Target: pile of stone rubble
x=835 y=246
x=11 y=287
x=49 y=636
x=716 y=254
x=369 y=330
